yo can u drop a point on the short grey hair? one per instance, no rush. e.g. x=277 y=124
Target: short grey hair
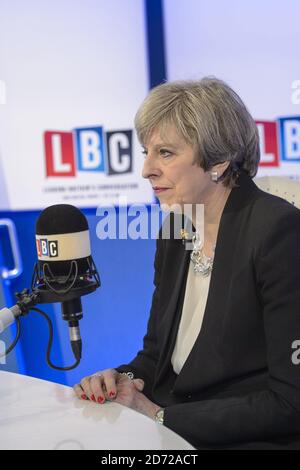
x=211 y=117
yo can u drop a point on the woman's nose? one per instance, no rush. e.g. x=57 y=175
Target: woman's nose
x=150 y=168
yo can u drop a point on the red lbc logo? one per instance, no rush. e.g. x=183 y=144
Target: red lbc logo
x=47 y=248
x=88 y=150
x=269 y=152
x=59 y=151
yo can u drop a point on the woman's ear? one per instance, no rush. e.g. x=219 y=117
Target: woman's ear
x=220 y=168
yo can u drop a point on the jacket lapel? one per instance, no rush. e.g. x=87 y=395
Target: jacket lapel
x=178 y=262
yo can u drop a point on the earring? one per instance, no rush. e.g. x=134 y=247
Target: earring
x=214 y=176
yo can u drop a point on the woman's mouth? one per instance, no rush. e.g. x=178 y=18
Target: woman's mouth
x=159 y=190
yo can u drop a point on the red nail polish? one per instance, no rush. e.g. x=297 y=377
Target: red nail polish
x=84 y=397
x=112 y=394
x=93 y=398
x=100 y=399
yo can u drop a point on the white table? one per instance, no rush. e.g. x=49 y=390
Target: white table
x=35 y=414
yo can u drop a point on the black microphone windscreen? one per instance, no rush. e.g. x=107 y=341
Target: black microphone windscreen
x=61 y=218
x=62 y=237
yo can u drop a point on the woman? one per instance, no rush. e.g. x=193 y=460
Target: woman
x=216 y=365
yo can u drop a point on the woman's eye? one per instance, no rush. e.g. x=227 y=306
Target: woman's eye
x=162 y=152
x=165 y=153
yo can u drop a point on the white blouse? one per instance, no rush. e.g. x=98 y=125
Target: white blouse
x=195 y=298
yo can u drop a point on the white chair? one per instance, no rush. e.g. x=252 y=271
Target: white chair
x=281 y=186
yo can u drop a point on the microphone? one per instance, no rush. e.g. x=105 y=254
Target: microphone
x=65 y=271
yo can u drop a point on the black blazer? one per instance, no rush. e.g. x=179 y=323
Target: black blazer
x=239 y=383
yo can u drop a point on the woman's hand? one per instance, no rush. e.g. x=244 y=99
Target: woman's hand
x=129 y=394
x=111 y=385
x=103 y=385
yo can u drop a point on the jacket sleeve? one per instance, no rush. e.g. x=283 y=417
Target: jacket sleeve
x=144 y=364
x=275 y=411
